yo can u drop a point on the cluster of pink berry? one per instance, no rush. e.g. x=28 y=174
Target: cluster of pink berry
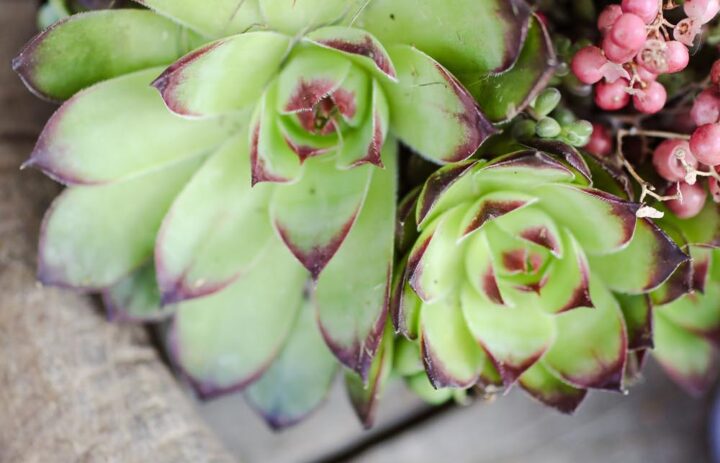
x=681 y=161
x=636 y=48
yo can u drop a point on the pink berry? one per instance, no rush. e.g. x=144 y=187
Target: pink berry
x=652 y=99
x=612 y=96
x=628 y=32
x=686 y=30
x=600 y=143
x=706 y=107
x=705 y=144
x=616 y=53
x=645 y=75
x=715 y=73
x=646 y=9
x=714 y=188
x=586 y=64
x=676 y=56
x=692 y=202
x=608 y=16
x=666 y=162
x=702 y=11
x=653 y=56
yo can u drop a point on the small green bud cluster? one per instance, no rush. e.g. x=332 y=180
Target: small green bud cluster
x=548 y=120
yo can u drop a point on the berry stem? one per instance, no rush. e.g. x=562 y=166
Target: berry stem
x=647 y=189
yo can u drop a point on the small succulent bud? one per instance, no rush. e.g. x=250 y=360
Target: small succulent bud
x=524 y=129
x=547 y=127
x=564 y=116
x=546 y=102
x=582 y=128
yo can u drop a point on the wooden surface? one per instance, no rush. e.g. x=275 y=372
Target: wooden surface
x=656 y=423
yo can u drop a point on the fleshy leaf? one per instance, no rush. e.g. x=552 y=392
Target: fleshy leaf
x=226 y=341
x=434 y=264
x=568 y=280
x=406 y=358
x=649 y=260
x=441 y=122
x=533 y=226
x=216 y=229
x=310 y=75
x=499 y=25
x=315 y=215
x=132 y=134
x=451 y=355
x=357 y=44
x=365 y=397
x=136 y=297
x=703 y=229
x=298 y=16
x=480 y=270
x=92 y=236
x=491 y=207
x=82 y=50
x=543 y=385
x=591 y=344
x=446 y=188
x=213 y=18
x=352 y=294
x=504 y=95
x=575 y=208
x=404 y=304
x=638 y=314
x=364 y=144
x=568 y=154
x=514 y=338
x=422 y=387
x=272 y=156
x=299 y=378
x=454 y=184
x=223 y=76
x=696 y=313
x=691 y=360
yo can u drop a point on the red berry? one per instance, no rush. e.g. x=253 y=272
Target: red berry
x=628 y=32
x=646 y=9
x=612 y=96
x=652 y=99
x=706 y=107
x=586 y=64
x=676 y=56
x=702 y=11
x=692 y=202
x=668 y=165
x=616 y=53
x=715 y=72
x=608 y=16
x=705 y=144
x=600 y=143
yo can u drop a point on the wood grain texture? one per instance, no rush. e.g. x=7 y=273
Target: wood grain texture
x=73 y=388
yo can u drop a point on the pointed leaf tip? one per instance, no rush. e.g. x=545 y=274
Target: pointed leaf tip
x=316 y=258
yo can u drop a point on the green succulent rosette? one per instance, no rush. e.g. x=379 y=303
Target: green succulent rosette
x=512 y=279
x=686 y=312
x=249 y=192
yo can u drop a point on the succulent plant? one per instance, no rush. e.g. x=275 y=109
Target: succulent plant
x=686 y=309
x=512 y=278
x=249 y=193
